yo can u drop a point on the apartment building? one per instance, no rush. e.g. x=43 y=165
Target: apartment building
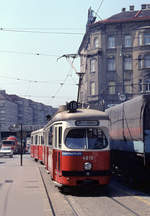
x=17 y=110
x=115 y=58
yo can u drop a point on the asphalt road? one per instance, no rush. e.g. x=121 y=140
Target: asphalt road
x=42 y=194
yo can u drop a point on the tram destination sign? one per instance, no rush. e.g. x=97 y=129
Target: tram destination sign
x=87 y=123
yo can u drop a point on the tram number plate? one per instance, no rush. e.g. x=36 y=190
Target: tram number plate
x=88 y=157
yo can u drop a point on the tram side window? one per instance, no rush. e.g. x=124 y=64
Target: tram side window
x=60 y=137
x=50 y=137
x=42 y=140
x=36 y=139
x=32 y=140
x=56 y=137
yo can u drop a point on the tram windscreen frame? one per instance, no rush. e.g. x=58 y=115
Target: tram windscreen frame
x=86 y=138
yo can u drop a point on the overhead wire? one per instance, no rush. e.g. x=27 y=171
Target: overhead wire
x=61 y=86
x=99 y=6
x=39 y=28
x=28 y=53
x=40 y=32
x=27 y=30
x=69 y=74
x=19 y=79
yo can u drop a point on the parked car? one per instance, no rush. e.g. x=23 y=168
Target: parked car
x=6 y=151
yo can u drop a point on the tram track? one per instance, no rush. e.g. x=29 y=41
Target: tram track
x=136 y=195
x=125 y=207
x=134 y=198
x=78 y=203
x=120 y=204
x=73 y=209
x=48 y=197
x=54 y=206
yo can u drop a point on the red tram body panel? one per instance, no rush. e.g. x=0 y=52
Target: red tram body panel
x=70 y=168
x=40 y=153
x=75 y=148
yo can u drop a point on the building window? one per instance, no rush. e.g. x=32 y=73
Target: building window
x=93 y=65
x=144 y=86
x=140 y=39
x=127 y=63
x=111 y=42
x=128 y=41
x=92 y=88
x=96 y=42
x=128 y=87
x=146 y=38
x=140 y=85
x=2 y=111
x=2 y=104
x=111 y=87
x=147 y=85
x=111 y=64
x=140 y=62
x=147 y=61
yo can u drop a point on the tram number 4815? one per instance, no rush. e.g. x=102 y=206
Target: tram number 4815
x=88 y=157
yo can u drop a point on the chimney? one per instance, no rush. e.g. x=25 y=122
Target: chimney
x=123 y=9
x=131 y=7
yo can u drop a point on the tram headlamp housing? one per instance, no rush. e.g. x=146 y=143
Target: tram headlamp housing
x=87 y=166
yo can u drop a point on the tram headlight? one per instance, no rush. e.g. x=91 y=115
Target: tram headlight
x=87 y=166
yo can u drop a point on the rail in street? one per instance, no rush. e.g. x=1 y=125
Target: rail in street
x=116 y=199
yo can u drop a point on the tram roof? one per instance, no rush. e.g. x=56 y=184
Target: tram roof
x=136 y=102
x=80 y=114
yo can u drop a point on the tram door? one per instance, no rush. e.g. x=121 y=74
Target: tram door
x=57 y=151
x=50 y=151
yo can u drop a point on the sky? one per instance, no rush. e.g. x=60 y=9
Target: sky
x=34 y=34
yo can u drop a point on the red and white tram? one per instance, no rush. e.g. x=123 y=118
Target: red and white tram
x=76 y=147
x=37 y=145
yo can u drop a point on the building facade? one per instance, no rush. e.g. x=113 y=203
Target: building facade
x=15 y=110
x=115 y=58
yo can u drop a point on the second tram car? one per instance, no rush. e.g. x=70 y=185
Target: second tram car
x=76 y=147
x=37 y=147
x=130 y=137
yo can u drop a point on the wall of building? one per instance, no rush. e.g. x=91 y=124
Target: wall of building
x=116 y=45
x=17 y=110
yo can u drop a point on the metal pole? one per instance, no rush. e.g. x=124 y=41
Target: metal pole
x=79 y=85
x=21 y=150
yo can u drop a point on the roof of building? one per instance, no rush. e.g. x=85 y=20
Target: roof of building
x=122 y=17
x=125 y=16
x=130 y=15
